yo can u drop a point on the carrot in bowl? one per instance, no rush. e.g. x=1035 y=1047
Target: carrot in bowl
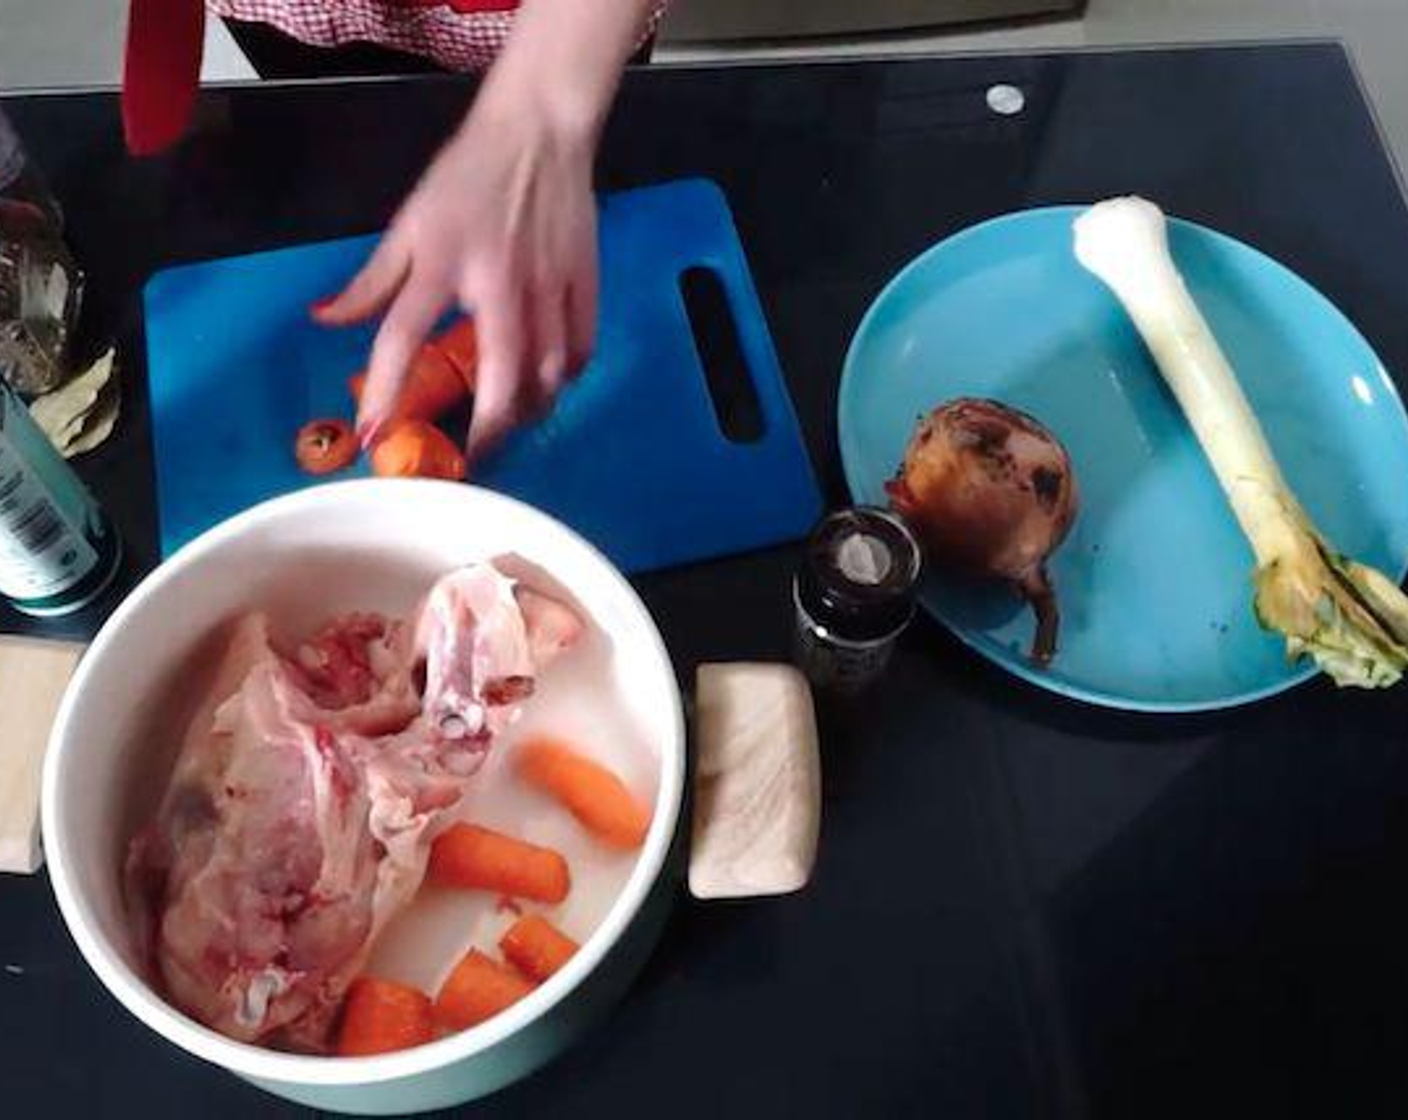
x=478 y=988
x=379 y=1016
x=417 y=449
x=536 y=947
x=588 y=790
x=433 y=386
x=475 y=858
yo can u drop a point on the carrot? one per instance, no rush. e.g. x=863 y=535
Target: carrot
x=478 y=988
x=433 y=386
x=417 y=449
x=381 y=1015
x=536 y=947
x=588 y=790
x=460 y=345
x=477 y=858
x=324 y=446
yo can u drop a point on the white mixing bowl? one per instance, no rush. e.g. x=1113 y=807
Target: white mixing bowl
x=369 y=545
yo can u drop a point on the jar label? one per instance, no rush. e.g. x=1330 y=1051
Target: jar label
x=46 y=517
x=844 y=667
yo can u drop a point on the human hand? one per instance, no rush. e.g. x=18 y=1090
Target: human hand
x=503 y=223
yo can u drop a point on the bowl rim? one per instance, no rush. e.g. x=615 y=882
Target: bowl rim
x=258 y=1062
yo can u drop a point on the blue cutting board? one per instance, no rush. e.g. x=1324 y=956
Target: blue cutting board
x=633 y=457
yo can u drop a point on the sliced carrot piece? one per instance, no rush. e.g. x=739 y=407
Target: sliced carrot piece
x=326 y=445
x=379 y=1016
x=417 y=449
x=477 y=989
x=588 y=790
x=433 y=386
x=536 y=947
x=461 y=346
x=475 y=858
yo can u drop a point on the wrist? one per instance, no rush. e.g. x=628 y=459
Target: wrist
x=569 y=108
x=562 y=64
x=568 y=115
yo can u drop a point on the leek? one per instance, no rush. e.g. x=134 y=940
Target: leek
x=1352 y=619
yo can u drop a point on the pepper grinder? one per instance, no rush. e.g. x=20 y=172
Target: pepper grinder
x=854 y=594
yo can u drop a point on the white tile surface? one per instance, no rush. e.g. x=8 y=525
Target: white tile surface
x=46 y=44
x=223 y=60
x=60 y=42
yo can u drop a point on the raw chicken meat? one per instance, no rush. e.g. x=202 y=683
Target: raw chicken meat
x=307 y=790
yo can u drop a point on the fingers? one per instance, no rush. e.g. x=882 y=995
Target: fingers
x=530 y=345
x=581 y=320
x=549 y=319
x=499 y=318
x=563 y=308
x=402 y=332
x=371 y=289
x=527 y=353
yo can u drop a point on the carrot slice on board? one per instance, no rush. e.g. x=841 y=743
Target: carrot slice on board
x=461 y=346
x=326 y=445
x=417 y=449
x=433 y=386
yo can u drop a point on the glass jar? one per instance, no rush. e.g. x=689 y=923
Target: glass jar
x=40 y=285
x=854 y=594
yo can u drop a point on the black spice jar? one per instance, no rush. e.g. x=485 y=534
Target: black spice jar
x=854 y=594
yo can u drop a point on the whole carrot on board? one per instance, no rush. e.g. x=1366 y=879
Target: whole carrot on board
x=379 y=1016
x=433 y=386
x=478 y=988
x=536 y=947
x=475 y=858
x=417 y=449
x=588 y=790
x=461 y=346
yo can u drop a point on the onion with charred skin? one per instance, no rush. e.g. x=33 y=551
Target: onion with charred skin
x=990 y=492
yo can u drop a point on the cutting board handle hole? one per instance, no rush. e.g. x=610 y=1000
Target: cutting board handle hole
x=720 y=350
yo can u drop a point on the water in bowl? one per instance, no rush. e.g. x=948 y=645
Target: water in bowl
x=578 y=701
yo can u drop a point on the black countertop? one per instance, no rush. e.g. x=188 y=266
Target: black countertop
x=1023 y=907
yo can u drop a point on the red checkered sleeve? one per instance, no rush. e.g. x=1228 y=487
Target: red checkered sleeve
x=455 y=39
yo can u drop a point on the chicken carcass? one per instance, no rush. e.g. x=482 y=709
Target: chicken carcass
x=300 y=810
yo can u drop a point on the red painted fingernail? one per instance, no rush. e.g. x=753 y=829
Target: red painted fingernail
x=318 y=306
